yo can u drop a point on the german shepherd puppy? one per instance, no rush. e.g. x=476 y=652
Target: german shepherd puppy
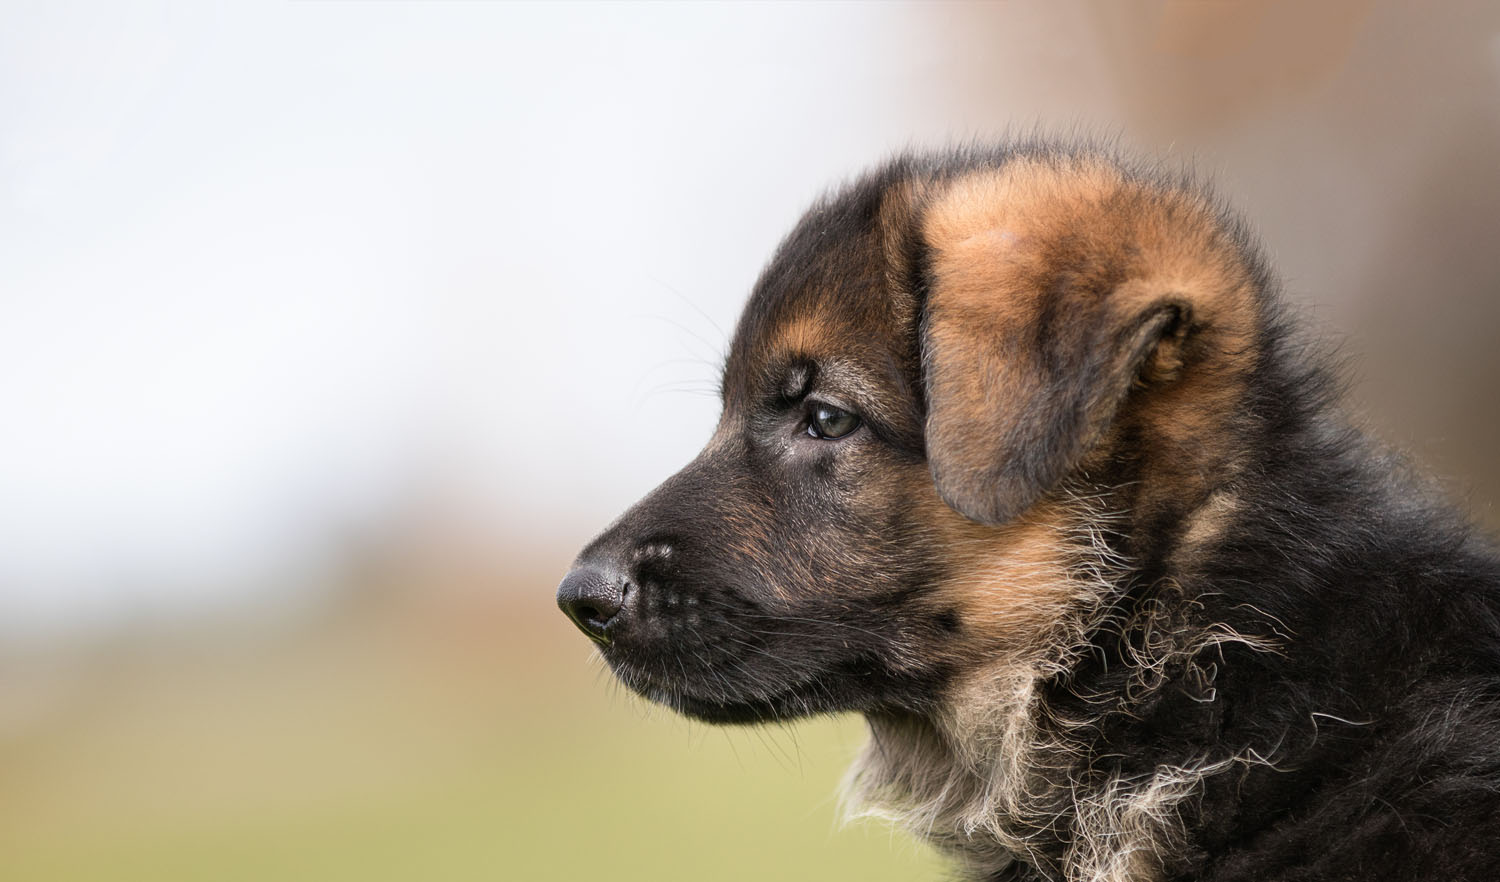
x=1021 y=458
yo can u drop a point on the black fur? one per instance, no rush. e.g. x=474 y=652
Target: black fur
x=789 y=587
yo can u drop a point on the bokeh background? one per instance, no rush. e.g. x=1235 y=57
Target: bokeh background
x=330 y=331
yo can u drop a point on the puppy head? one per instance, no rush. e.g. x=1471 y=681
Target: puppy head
x=931 y=357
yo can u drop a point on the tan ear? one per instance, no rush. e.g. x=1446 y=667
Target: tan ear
x=1058 y=293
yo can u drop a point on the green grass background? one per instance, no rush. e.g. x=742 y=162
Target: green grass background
x=405 y=745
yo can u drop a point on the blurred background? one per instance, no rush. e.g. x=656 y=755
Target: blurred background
x=329 y=332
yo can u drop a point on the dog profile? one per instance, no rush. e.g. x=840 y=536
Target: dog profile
x=1022 y=458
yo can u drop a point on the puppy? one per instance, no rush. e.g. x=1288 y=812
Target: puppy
x=1021 y=459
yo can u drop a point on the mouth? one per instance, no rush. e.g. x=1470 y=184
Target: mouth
x=718 y=712
x=712 y=698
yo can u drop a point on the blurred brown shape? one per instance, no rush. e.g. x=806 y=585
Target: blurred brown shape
x=1192 y=66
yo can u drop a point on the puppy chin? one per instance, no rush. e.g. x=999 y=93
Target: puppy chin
x=712 y=697
x=719 y=713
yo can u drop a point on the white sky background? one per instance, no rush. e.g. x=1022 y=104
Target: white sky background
x=267 y=273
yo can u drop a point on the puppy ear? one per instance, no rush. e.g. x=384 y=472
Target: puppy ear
x=1056 y=295
x=1006 y=424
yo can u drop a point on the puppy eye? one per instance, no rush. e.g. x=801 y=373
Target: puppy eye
x=829 y=422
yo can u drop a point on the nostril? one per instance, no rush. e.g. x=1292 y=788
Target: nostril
x=592 y=599
x=590 y=615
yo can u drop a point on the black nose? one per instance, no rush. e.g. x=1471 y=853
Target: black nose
x=592 y=599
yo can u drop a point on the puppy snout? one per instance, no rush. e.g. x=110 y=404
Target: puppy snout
x=595 y=600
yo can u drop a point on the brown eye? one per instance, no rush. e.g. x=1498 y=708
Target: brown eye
x=829 y=422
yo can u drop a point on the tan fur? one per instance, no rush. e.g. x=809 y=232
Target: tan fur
x=1051 y=360
x=987 y=772
x=1014 y=584
x=806 y=335
x=998 y=234
x=900 y=207
x=995 y=767
x=1208 y=522
x=1079 y=239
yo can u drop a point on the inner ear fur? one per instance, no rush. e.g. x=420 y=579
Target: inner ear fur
x=1063 y=293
